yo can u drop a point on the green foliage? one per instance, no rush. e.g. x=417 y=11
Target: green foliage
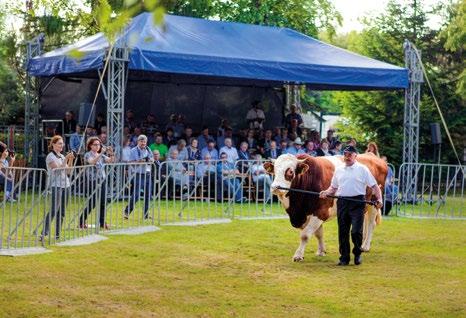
x=378 y=116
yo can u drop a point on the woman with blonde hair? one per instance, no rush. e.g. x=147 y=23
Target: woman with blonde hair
x=59 y=184
x=372 y=148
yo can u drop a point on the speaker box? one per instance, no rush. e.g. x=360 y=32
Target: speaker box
x=85 y=113
x=435 y=133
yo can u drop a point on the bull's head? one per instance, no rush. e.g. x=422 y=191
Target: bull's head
x=284 y=169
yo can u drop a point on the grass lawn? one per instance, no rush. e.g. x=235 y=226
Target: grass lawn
x=243 y=269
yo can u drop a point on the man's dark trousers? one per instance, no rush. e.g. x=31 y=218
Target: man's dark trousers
x=350 y=215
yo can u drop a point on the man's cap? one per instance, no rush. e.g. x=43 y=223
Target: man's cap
x=350 y=149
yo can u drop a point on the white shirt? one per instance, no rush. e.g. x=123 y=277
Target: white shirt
x=352 y=180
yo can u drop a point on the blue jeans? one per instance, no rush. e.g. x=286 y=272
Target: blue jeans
x=140 y=181
x=7 y=184
x=265 y=181
x=233 y=186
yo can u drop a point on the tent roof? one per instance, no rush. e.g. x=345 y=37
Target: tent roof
x=194 y=46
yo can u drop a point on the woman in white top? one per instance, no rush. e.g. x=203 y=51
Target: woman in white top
x=59 y=183
x=98 y=156
x=6 y=175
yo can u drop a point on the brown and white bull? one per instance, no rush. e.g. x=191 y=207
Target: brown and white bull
x=309 y=212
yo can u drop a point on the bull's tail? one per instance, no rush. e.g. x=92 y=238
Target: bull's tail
x=378 y=216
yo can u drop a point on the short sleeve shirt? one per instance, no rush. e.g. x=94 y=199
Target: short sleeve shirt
x=99 y=171
x=57 y=177
x=352 y=180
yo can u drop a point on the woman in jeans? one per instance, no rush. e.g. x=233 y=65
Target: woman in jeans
x=59 y=184
x=98 y=156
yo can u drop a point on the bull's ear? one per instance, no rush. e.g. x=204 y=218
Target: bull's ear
x=302 y=167
x=268 y=166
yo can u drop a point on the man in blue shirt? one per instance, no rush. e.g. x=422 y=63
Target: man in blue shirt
x=140 y=172
x=228 y=175
x=210 y=150
x=296 y=149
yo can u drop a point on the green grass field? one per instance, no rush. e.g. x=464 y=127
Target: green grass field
x=243 y=269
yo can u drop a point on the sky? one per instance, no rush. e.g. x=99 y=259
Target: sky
x=351 y=10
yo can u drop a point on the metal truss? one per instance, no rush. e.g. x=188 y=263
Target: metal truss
x=117 y=75
x=31 y=109
x=411 y=120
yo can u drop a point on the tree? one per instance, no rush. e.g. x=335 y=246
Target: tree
x=381 y=113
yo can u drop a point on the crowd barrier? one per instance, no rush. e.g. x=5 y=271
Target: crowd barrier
x=80 y=203
x=437 y=191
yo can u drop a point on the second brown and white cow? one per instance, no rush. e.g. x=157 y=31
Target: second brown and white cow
x=309 y=212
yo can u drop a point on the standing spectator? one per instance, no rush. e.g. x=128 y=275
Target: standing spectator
x=223 y=125
x=96 y=155
x=336 y=151
x=193 y=151
x=172 y=123
x=178 y=129
x=372 y=148
x=294 y=129
x=210 y=149
x=59 y=183
x=181 y=148
x=273 y=152
x=141 y=176
x=230 y=151
x=331 y=138
x=296 y=149
x=255 y=116
x=204 y=138
x=309 y=148
x=103 y=138
x=260 y=178
x=6 y=176
x=323 y=149
x=160 y=146
x=391 y=189
x=126 y=150
x=69 y=123
x=99 y=122
x=293 y=115
x=130 y=121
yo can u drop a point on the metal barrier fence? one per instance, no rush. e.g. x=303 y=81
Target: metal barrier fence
x=439 y=191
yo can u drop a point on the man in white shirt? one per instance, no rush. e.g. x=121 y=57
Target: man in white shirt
x=350 y=181
x=232 y=153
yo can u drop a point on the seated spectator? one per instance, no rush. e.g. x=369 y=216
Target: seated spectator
x=244 y=157
x=99 y=122
x=204 y=138
x=6 y=175
x=260 y=178
x=228 y=134
x=210 y=149
x=230 y=151
x=331 y=138
x=293 y=115
x=76 y=141
x=255 y=116
x=180 y=147
x=296 y=149
x=250 y=139
x=177 y=171
x=283 y=147
x=273 y=152
x=149 y=126
x=157 y=161
x=193 y=152
x=309 y=148
x=130 y=121
x=126 y=150
x=372 y=148
x=228 y=175
x=337 y=151
x=187 y=134
x=170 y=139
x=352 y=142
x=134 y=137
x=103 y=138
x=160 y=146
x=323 y=149
x=285 y=136
x=265 y=143
x=277 y=135
x=315 y=138
x=207 y=171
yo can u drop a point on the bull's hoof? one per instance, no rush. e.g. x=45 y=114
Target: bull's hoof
x=298 y=258
x=320 y=253
x=365 y=248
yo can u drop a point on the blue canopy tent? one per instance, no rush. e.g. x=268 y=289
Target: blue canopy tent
x=215 y=68
x=217 y=49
